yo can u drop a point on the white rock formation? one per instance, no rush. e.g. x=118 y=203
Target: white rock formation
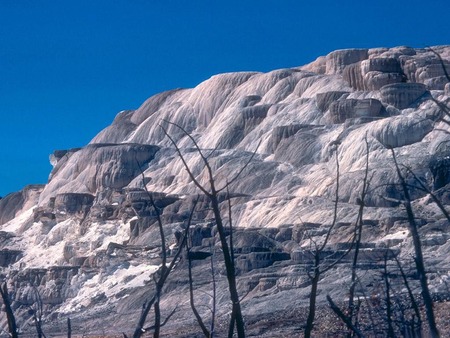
x=302 y=118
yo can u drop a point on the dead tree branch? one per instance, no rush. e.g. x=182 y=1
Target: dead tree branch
x=420 y=264
x=318 y=268
x=213 y=195
x=346 y=319
x=163 y=273
x=12 y=326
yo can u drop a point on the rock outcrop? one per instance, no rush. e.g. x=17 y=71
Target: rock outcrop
x=17 y=202
x=88 y=242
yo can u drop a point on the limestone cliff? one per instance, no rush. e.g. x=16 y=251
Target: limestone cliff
x=87 y=241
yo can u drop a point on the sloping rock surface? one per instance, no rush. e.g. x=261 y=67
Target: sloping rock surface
x=87 y=242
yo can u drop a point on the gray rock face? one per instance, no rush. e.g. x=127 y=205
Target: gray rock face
x=384 y=65
x=88 y=240
x=9 y=257
x=73 y=203
x=376 y=80
x=98 y=167
x=412 y=130
x=337 y=60
x=12 y=204
x=402 y=95
x=341 y=110
x=372 y=74
x=429 y=71
x=324 y=100
x=44 y=281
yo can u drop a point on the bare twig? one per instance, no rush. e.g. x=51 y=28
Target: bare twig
x=144 y=313
x=420 y=265
x=191 y=175
x=433 y=196
x=214 y=295
x=336 y=203
x=69 y=329
x=347 y=320
x=318 y=267
x=158 y=217
x=358 y=235
x=191 y=292
x=390 y=333
x=212 y=194
x=163 y=272
x=235 y=177
x=412 y=299
x=12 y=326
x=164 y=322
x=37 y=314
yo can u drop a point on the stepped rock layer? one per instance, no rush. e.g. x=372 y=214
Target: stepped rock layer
x=87 y=240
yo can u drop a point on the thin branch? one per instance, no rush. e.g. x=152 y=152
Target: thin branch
x=214 y=199
x=369 y=305
x=426 y=189
x=230 y=220
x=158 y=218
x=144 y=313
x=164 y=322
x=165 y=271
x=69 y=329
x=214 y=296
x=213 y=151
x=347 y=320
x=410 y=293
x=420 y=265
x=241 y=170
x=204 y=159
x=37 y=314
x=191 y=176
x=191 y=300
x=387 y=284
x=336 y=203
x=341 y=257
x=358 y=234
x=191 y=291
x=12 y=326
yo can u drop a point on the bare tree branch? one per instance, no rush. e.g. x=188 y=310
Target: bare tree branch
x=12 y=326
x=164 y=269
x=69 y=329
x=214 y=199
x=203 y=157
x=433 y=196
x=318 y=267
x=163 y=323
x=420 y=265
x=241 y=170
x=344 y=318
x=387 y=284
x=336 y=203
x=441 y=61
x=144 y=313
x=412 y=299
x=358 y=235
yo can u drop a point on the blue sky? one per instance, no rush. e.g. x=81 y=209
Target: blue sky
x=68 y=67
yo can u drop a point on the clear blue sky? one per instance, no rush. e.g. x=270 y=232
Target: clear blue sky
x=67 y=67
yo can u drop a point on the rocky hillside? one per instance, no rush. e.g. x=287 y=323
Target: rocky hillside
x=87 y=243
